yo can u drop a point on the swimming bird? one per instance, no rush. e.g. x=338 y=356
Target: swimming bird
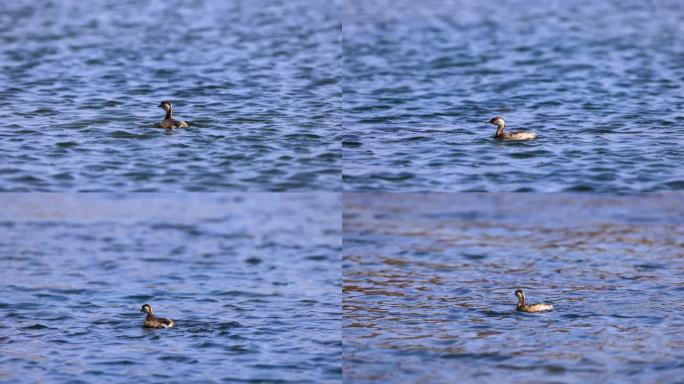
x=522 y=307
x=155 y=322
x=517 y=135
x=168 y=121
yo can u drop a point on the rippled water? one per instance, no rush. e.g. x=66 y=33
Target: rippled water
x=253 y=282
x=258 y=81
x=599 y=81
x=428 y=284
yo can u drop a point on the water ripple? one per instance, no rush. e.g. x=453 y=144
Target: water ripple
x=420 y=79
x=257 y=80
x=75 y=269
x=428 y=283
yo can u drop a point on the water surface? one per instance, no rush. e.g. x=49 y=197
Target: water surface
x=258 y=81
x=429 y=281
x=599 y=81
x=253 y=282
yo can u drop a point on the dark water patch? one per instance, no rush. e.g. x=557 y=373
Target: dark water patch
x=393 y=176
x=253 y=260
x=675 y=185
x=26 y=306
x=472 y=256
x=67 y=144
x=178 y=359
x=476 y=357
x=123 y=362
x=579 y=188
x=242 y=293
x=527 y=154
x=122 y=134
x=35 y=327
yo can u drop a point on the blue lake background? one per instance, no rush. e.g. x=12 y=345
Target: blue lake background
x=253 y=281
x=600 y=82
x=258 y=81
x=429 y=281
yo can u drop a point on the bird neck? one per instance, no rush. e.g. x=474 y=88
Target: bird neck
x=500 y=129
x=521 y=301
x=168 y=112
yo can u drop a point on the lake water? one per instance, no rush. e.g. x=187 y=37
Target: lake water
x=252 y=280
x=429 y=281
x=258 y=81
x=599 y=81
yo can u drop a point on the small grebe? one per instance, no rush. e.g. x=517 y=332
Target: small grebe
x=168 y=121
x=522 y=307
x=500 y=134
x=155 y=322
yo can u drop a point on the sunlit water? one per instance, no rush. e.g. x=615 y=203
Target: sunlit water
x=599 y=81
x=253 y=282
x=258 y=81
x=429 y=281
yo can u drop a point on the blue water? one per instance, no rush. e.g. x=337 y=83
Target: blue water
x=600 y=82
x=252 y=280
x=429 y=281
x=258 y=81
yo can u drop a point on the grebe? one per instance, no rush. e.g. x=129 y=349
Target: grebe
x=500 y=134
x=155 y=322
x=168 y=121
x=522 y=307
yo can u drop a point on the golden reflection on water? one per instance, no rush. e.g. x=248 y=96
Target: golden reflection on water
x=435 y=285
